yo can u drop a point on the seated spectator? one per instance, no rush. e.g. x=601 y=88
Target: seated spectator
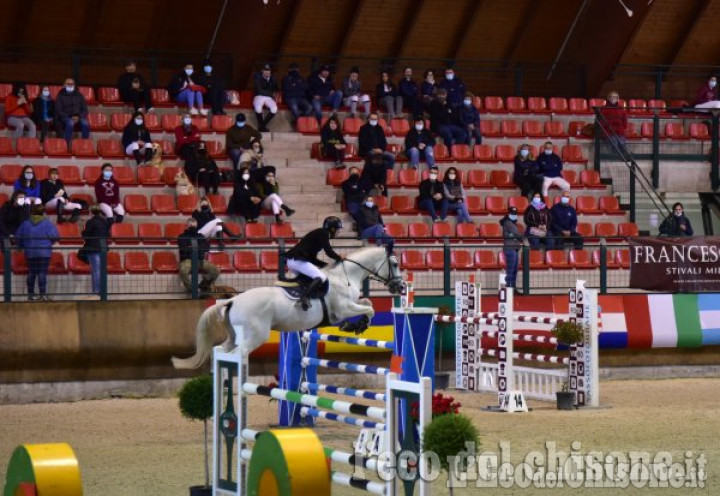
x=428 y=88
x=201 y=168
x=269 y=190
x=133 y=89
x=187 y=137
x=707 y=95
x=374 y=175
x=28 y=184
x=294 y=89
x=214 y=88
x=208 y=225
x=96 y=228
x=372 y=141
x=44 y=112
x=332 y=141
x=252 y=158
x=353 y=193
x=245 y=200
x=352 y=92
x=371 y=226
x=470 y=120
x=419 y=144
x=264 y=88
x=322 y=92
x=35 y=236
x=54 y=195
x=107 y=193
x=564 y=224
x=455 y=195
x=136 y=139
x=18 y=112
x=184 y=89
x=454 y=86
x=410 y=93
x=388 y=97
x=527 y=175
x=209 y=271
x=445 y=120
x=239 y=138
x=538 y=224
x=613 y=123
x=432 y=196
x=676 y=224
x=551 y=168
x=71 y=110
x=13 y=213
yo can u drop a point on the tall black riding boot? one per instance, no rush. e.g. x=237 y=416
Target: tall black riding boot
x=138 y=157
x=261 y=122
x=288 y=211
x=267 y=120
x=311 y=288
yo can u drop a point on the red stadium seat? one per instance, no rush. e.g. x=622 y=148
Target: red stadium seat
x=699 y=130
x=69 y=234
x=98 y=121
x=580 y=259
x=170 y=121
x=571 y=177
x=137 y=262
x=245 y=261
x=124 y=175
x=461 y=153
x=110 y=148
x=520 y=202
x=461 y=260
x=282 y=231
x=256 y=231
x=559 y=105
x=76 y=266
x=383 y=204
x=30 y=147
x=6 y=146
x=442 y=230
x=221 y=260
x=418 y=230
x=485 y=260
x=409 y=177
x=475 y=204
x=187 y=203
x=598 y=102
x=396 y=229
x=109 y=96
x=160 y=97
x=637 y=106
x=70 y=175
x=501 y=179
x=647 y=130
x=483 y=153
x=533 y=128
x=574 y=154
x=478 y=178
x=610 y=261
x=610 y=205
x=587 y=205
x=399 y=127
x=123 y=234
x=622 y=258
x=490 y=128
x=555 y=129
x=511 y=129
x=173 y=230
x=442 y=154
x=9 y=173
x=591 y=179
x=165 y=262
x=578 y=106
x=515 y=104
x=495 y=205
x=628 y=229
x=505 y=153
x=537 y=104
x=556 y=259
x=308 y=125
x=269 y=260
x=83 y=148
x=91 y=173
x=466 y=230
x=119 y=120
x=403 y=204
x=221 y=123
x=149 y=176
x=494 y=104
x=435 y=259
x=412 y=260
x=335 y=177
x=585 y=229
x=201 y=123
x=675 y=130
x=163 y=204
x=89 y=93
x=150 y=233
x=658 y=105
x=57 y=263
x=605 y=230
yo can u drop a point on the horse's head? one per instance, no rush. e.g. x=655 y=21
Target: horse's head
x=395 y=283
x=380 y=264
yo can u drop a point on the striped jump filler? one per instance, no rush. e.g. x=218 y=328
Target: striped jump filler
x=345 y=419
x=351 y=367
x=313 y=388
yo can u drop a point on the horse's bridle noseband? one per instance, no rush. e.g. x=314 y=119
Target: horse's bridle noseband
x=389 y=281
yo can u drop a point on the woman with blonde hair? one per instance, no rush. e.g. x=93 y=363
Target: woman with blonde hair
x=208 y=225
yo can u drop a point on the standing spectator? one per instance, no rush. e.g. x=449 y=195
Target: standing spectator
x=107 y=193
x=371 y=226
x=454 y=86
x=470 y=119
x=54 y=195
x=322 y=92
x=44 y=112
x=410 y=93
x=203 y=169
x=13 y=213
x=35 y=236
x=445 y=120
x=28 y=184
x=252 y=158
x=707 y=95
x=527 y=175
x=269 y=190
x=372 y=141
x=352 y=92
x=184 y=89
x=388 y=97
x=294 y=89
x=136 y=139
x=374 y=175
x=18 y=112
x=245 y=200
x=240 y=138
x=208 y=225
x=133 y=89
x=538 y=224
x=209 y=271
x=264 y=87
x=551 y=168
x=614 y=121
x=512 y=242
x=71 y=110
x=187 y=137
x=353 y=193
x=676 y=224
x=428 y=88
x=214 y=88
x=564 y=223
x=455 y=195
x=432 y=196
x=96 y=229
x=332 y=141
x=419 y=143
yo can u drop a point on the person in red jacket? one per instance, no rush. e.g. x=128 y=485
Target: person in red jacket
x=107 y=193
x=187 y=137
x=613 y=121
x=707 y=95
x=18 y=111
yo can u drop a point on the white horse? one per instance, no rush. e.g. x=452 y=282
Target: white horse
x=255 y=312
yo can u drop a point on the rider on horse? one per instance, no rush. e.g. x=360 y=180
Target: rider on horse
x=302 y=258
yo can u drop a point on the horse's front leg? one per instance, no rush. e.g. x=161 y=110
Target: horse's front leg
x=354 y=309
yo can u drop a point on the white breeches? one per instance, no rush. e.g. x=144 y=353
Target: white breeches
x=107 y=210
x=211 y=228
x=132 y=147
x=306 y=268
x=554 y=181
x=272 y=202
x=264 y=101
x=66 y=205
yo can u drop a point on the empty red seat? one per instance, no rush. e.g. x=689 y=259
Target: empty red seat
x=555 y=129
x=575 y=129
x=110 y=148
x=599 y=102
x=351 y=125
x=533 y=128
x=173 y=230
x=580 y=259
x=245 y=261
x=578 y=106
x=83 y=148
x=282 y=231
x=403 y=204
x=647 y=130
x=69 y=234
x=200 y=122
x=170 y=121
x=114 y=263
x=556 y=259
x=98 y=121
x=335 y=177
x=573 y=153
x=412 y=260
x=591 y=179
x=136 y=204
x=442 y=230
x=150 y=233
x=396 y=229
x=675 y=130
x=699 y=130
x=478 y=178
x=165 y=262
x=57 y=263
x=461 y=260
x=124 y=175
x=160 y=97
x=515 y=104
x=584 y=229
x=466 y=230
x=558 y=105
x=9 y=173
x=109 y=96
x=152 y=122
x=658 y=105
x=461 y=153
x=418 y=230
x=221 y=260
x=383 y=204
x=91 y=174
x=221 y=123
x=256 y=231
x=123 y=233
x=605 y=230
x=519 y=202
x=435 y=259
x=627 y=229
x=187 y=203
x=483 y=153
x=495 y=205
x=137 y=262
x=269 y=260
x=571 y=177
x=30 y=147
x=622 y=258
x=77 y=266
x=505 y=153
x=308 y=125
x=494 y=104
x=490 y=128
x=511 y=129
x=149 y=176
x=18 y=263
x=119 y=120
x=485 y=260
x=610 y=205
x=610 y=262
x=88 y=92
x=475 y=204
x=501 y=179
x=587 y=205
x=442 y=154
x=537 y=104
x=637 y=106
x=399 y=127
x=409 y=177
x=163 y=204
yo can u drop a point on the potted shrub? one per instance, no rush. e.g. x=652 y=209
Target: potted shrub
x=447 y=436
x=567 y=333
x=196 y=403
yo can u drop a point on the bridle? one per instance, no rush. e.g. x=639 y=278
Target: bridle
x=393 y=281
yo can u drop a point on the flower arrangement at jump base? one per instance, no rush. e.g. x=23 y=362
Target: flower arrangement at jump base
x=441 y=405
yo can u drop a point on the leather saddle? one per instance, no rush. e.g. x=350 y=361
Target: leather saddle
x=295 y=287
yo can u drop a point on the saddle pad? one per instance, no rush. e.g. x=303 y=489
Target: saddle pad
x=292 y=292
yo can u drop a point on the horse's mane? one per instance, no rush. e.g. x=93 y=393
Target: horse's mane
x=354 y=255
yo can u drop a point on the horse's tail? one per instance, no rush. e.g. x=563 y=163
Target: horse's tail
x=210 y=320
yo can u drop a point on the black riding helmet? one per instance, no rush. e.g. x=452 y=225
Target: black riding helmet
x=332 y=224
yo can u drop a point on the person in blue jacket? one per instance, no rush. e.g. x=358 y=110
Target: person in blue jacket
x=564 y=224
x=294 y=88
x=454 y=86
x=28 y=184
x=410 y=93
x=36 y=236
x=551 y=168
x=470 y=120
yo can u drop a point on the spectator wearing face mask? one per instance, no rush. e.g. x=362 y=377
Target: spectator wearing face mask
x=107 y=193
x=707 y=95
x=410 y=93
x=428 y=88
x=388 y=96
x=372 y=141
x=676 y=224
x=71 y=110
x=432 y=196
x=371 y=226
x=18 y=112
x=12 y=214
x=321 y=91
x=353 y=193
x=374 y=175
x=333 y=142
x=294 y=90
x=44 y=112
x=419 y=144
x=454 y=86
x=54 y=195
x=35 y=236
x=28 y=184
x=564 y=224
x=214 y=88
x=512 y=242
x=240 y=138
x=187 y=137
x=208 y=225
x=96 y=228
x=269 y=190
x=445 y=120
x=184 y=89
x=538 y=224
x=352 y=92
x=455 y=195
x=208 y=270
x=252 y=158
x=551 y=168
x=527 y=175
x=201 y=168
x=470 y=119
x=133 y=89
x=245 y=200
x=265 y=87
x=136 y=139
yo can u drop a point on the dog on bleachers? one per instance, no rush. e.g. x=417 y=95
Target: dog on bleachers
x=157 y=159
x=183 y=186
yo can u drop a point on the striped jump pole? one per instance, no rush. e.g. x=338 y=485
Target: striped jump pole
x=352 y=459
x=357 y=393
x=331 y=338
x=491 y=319
x=350 y=367
x=531 y=357
x=344 y=419
x=532 y=338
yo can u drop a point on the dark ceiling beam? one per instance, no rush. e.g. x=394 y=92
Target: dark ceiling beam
x=520 y=31
x=464 y=29
x=402 y=37
x=349 y=24
x=277 y=44
x=87 y=34
x=161 y=15
x=18 y=22
x=686 y=32
x=289 y=26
